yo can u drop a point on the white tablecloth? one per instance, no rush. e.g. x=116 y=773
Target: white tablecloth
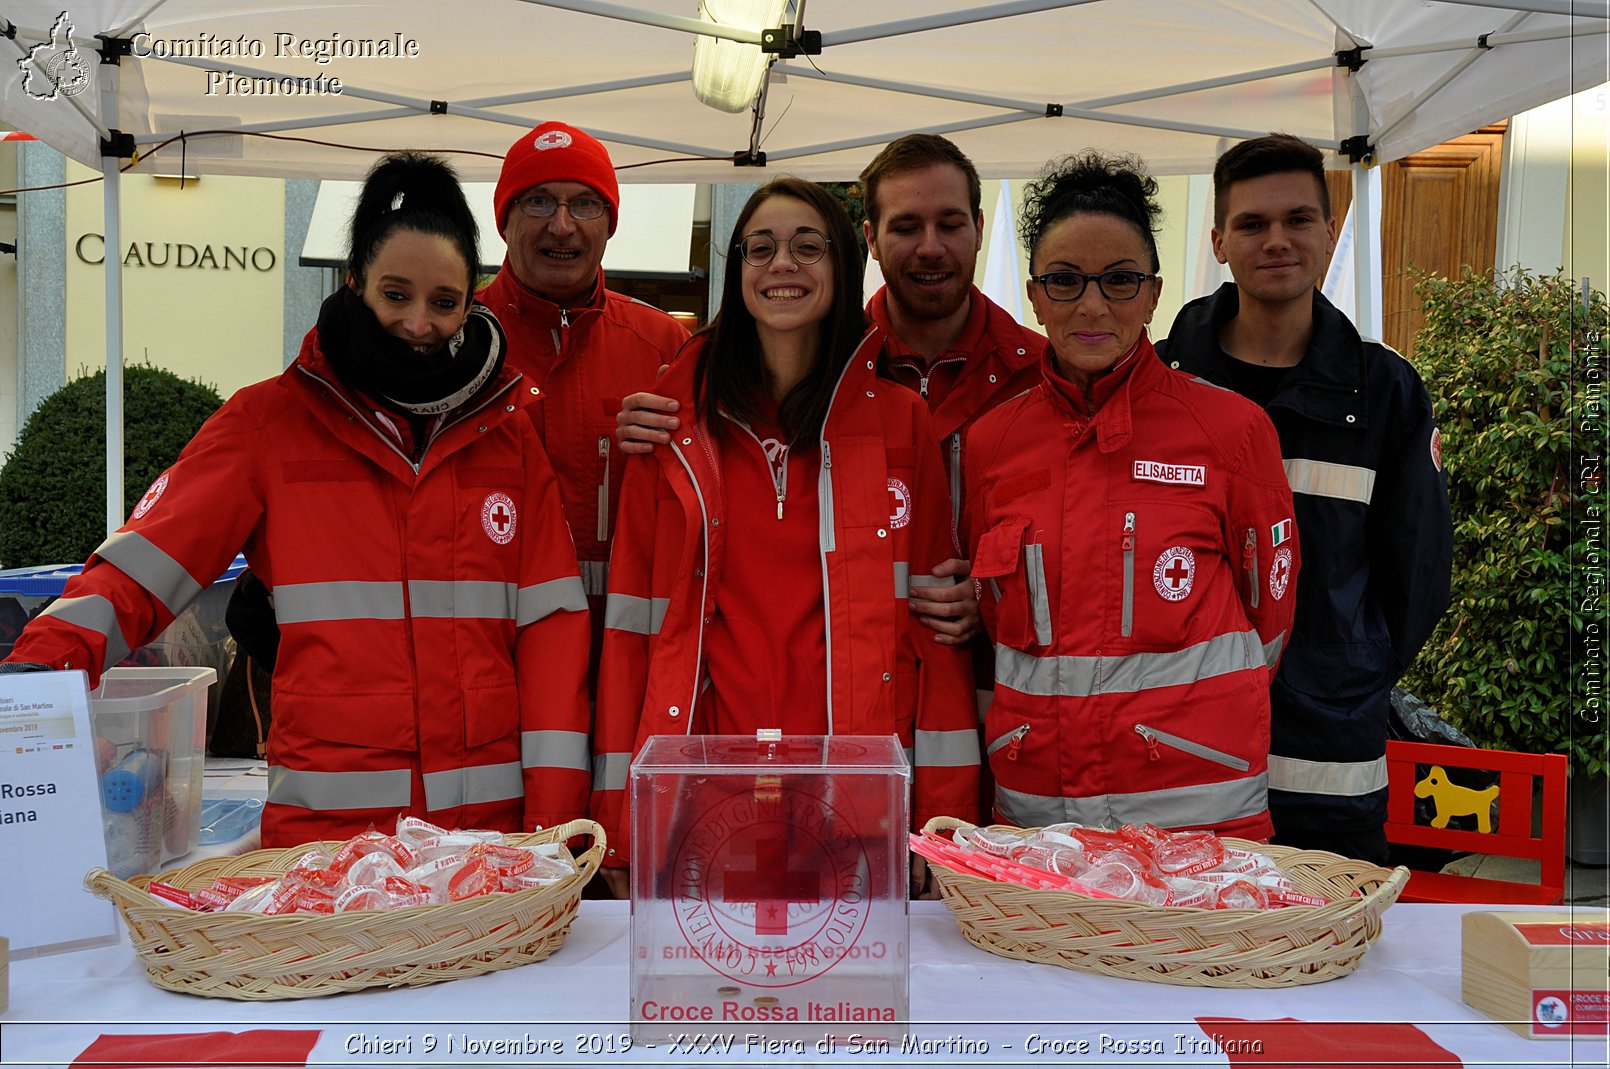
x=60 y=1004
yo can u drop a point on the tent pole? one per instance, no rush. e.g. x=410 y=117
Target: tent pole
x=111 y=206
x=1366 y=223
x=1585 y=9
x=1366 y=242
x=702 y=27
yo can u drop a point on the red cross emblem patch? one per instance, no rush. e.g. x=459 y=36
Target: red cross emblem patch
x=498 y=518
x=1280 y=572
x=899 y=504
x=1174 y=573
x=150 y=499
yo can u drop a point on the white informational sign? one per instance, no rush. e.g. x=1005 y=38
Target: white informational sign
x=50 y=816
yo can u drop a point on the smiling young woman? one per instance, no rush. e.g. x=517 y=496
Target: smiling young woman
x=379 y=487
x=773 y=539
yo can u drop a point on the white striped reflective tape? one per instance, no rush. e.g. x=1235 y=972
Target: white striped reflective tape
x=1320 y=478
x=1345 y=779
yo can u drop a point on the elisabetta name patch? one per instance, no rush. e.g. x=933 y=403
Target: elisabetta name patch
x=1158 y=472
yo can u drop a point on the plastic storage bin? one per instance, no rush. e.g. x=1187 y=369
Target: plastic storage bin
x=198 y=637
x=150 y=735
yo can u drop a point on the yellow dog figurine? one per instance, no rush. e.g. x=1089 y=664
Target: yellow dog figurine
x=1453 y=800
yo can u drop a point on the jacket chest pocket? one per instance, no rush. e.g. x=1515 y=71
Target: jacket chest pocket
x=1169 y=557
x=1015 y=570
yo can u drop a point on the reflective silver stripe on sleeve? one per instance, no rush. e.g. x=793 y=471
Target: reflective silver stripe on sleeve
x=304 y=603
x=461 y=600
x=903 y=582
x=1271 y=650
x=641 y=616
x=1321 y=479
x=554 y=749
x=595 y=577
x=1347 y=779
x=140 y=559
x=947 y=749
x=93 y=613
x=1202 y=803
x=340 y=790
x=1080 y=677
x=544 y=599
x=473 y=785
x=609 y=771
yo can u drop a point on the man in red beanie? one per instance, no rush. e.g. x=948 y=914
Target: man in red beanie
x=583 y=346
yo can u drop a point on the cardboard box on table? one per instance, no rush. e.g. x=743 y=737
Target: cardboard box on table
x=769 y=885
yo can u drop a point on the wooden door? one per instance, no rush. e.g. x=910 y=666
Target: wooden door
x=1439 y=215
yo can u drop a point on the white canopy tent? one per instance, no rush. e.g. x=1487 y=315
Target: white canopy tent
x=248 y=87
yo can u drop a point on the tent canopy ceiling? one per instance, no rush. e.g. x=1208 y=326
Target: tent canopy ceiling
x=1173 y=82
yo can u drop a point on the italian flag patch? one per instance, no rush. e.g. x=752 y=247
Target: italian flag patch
x=1280 y=532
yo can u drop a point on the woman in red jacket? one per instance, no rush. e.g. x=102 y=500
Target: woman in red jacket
x=1131 y=528
x=391 y=491
x=755 y=557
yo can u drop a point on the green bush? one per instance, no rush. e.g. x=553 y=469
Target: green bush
x=1516 y=368
x=53 y=486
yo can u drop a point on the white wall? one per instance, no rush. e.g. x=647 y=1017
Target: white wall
x=1553 y=212
x=220 y=324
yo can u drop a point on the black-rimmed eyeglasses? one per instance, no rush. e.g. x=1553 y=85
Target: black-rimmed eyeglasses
x=542 y=206
x=805 y=247
x=1070 y=285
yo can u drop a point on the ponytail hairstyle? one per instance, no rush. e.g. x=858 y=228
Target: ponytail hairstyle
x=1091 y=183
x=412 y=191
x=731 y=376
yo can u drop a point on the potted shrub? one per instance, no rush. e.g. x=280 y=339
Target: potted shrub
x=1515 y=365
x=53 y=486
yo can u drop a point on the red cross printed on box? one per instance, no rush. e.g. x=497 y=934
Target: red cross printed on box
x=1174 y=573
x=498 y=518
x=771 y=886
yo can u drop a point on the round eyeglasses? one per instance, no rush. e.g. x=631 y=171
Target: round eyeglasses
x=542 y=206
x=805 y=247
x=1070 y=285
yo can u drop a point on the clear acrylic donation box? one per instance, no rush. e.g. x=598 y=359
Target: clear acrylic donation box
x=769 y=887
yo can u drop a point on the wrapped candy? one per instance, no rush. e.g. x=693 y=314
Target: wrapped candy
x=1142 y=863
x=421 y=864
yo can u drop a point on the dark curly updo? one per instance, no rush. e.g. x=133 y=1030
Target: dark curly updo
x=1090 y=183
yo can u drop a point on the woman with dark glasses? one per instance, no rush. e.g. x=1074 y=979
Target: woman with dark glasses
x=759 y=561
x=1131 y=531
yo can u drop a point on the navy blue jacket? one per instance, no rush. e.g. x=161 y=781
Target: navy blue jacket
x=1361 y=452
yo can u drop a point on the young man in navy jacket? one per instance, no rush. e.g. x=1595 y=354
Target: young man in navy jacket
x=1364 y=459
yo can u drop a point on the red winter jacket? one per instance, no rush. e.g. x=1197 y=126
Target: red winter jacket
x=432 y=638
x=1139 y=571
x=585 y=360
x=1004 y=362
x=886 y=674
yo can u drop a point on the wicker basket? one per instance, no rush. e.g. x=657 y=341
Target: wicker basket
x=249 y=956
x=1177 y=945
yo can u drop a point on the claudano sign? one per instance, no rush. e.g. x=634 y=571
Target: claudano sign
x=90 y=248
